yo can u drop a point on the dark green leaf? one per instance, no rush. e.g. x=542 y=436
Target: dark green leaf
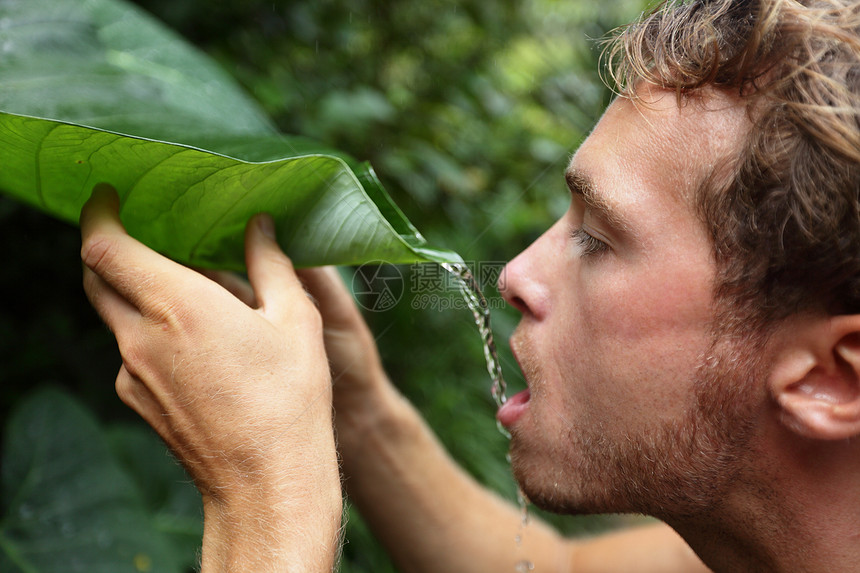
x=69 y=506
x=170 y=498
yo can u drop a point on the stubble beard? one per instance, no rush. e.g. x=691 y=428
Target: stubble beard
x=677 y=471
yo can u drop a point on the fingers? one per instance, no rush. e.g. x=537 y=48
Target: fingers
x=135 y=394
x=100 y=225
x=116 y=312
x=333 y=298
x=134 y=271
x=270 y=272
x=101 y=213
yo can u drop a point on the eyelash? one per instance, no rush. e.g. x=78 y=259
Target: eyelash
x=590 y=245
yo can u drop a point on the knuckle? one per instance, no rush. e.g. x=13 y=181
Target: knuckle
x=135 y=356
x=126 y=391
x=169 y=315
x=170 y=310
x=98 y=251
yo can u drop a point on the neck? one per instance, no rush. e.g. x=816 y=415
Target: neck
x=795 y=508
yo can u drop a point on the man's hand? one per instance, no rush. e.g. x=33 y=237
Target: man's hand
x=241 y=394
x=359 y=380
x=356 y=367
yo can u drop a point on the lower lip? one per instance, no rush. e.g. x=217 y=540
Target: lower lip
x=513 y=408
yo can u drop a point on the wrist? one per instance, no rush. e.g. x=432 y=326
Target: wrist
x=283 y=515
x=274 y=528
x=368 y=408
x=370 y=426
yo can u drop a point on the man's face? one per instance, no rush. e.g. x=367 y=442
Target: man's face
x=616 y=340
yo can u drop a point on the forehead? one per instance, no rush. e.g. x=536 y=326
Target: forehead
x=658 y=150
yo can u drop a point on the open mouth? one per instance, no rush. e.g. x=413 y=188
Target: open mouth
x=513 y=408
x=516 y=405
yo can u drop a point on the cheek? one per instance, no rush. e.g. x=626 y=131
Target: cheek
x=652 y=301
x=640 y=340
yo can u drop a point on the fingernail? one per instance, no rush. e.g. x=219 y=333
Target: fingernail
x=266 y=225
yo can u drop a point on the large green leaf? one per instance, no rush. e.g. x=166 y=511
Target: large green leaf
x=92 y=91
x=68 y=504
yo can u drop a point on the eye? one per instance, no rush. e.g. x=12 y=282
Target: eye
x=590 y=245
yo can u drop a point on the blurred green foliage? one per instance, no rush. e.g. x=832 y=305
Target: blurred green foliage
x=469 y=112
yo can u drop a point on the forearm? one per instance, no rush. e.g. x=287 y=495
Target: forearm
x=430 y=514
x=654 y=548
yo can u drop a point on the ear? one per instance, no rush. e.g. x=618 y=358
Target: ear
x=816 y=376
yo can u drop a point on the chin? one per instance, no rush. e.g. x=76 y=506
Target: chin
x=542 y=476
x=560 y=497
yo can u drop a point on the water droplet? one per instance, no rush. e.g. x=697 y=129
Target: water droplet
x=524 y=506
x=524 y=566
x=504 y=431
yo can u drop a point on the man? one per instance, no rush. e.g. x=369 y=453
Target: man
x=690 y=338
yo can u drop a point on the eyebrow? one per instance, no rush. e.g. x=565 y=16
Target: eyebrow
x=580 y=184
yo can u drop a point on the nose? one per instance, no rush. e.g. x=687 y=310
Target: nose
x=524 y=282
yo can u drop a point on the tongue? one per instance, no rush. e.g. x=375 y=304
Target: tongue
x=513 y=408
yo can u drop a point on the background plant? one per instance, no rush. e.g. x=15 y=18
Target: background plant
x=468 y=111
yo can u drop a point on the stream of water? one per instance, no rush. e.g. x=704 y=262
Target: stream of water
x=477 y=303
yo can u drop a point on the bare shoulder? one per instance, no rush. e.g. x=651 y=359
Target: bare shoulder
x=644 y=549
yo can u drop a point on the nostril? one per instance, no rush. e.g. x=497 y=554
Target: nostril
x=517 y=303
